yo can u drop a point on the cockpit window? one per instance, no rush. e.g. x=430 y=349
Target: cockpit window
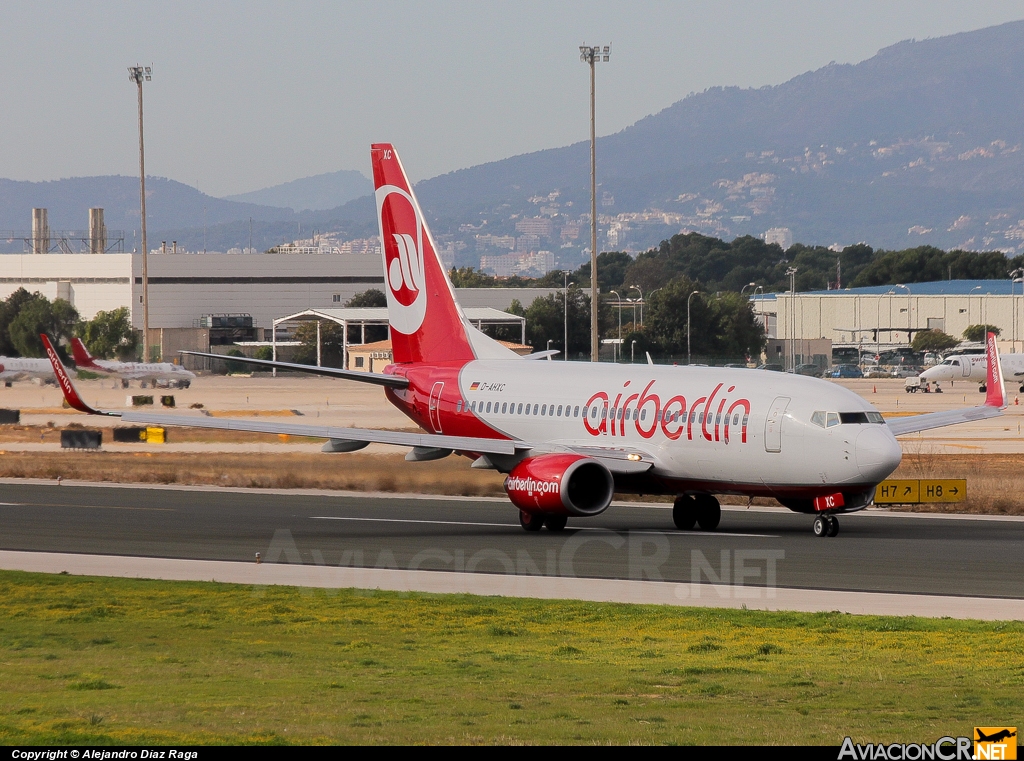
x=860 y=417
x=832 y=419
x=818 y=418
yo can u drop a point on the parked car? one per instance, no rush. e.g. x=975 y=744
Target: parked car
x=773 y=367
x=845 y=371
x=813 y=371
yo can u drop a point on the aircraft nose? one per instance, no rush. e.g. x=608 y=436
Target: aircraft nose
x=878 y=453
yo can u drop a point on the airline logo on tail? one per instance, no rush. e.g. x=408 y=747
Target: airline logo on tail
x=403 y=258
x=82 y=356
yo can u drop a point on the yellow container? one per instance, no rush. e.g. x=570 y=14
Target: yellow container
x=156 y=435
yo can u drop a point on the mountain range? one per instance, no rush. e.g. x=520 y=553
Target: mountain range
x=922 y=143
x=317 y=193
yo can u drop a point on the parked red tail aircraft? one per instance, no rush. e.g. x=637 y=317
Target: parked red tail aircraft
x=569 y=435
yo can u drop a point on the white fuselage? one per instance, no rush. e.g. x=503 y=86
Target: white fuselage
x=25 y=368
x=974 y=367
x=753 y=430
x=143 y=371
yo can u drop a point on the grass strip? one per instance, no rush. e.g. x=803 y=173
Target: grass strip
x=115 y=661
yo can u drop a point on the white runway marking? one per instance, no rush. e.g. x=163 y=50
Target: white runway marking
x=516 y=525
x=542 y=587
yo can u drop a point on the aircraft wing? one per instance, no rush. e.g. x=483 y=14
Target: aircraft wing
x=355 y=435
x=362 y=435
x=379 y=379
x=616 y=459
x=995 y=401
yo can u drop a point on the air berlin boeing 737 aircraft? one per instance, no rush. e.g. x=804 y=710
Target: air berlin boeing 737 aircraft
x=570 y=434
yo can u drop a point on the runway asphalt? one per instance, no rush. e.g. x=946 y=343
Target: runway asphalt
x=875 y=552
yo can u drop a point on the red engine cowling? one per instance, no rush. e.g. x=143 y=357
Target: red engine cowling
x=561 y=484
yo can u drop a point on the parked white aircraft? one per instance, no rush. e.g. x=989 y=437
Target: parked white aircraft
x=144 y=372
x=974 y=367
x=25 y=368
x=570 y=434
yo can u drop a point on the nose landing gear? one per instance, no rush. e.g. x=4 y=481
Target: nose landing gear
x=825 y=525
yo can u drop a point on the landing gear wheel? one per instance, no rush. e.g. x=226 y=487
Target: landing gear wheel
x=530 y=521
x=982 y=388
x=820 y=526
x=833 y=526
x=684 y=512
x=709 y=512
x=556 y=522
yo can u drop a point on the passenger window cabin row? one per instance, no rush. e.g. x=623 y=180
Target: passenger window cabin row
x=568 y=410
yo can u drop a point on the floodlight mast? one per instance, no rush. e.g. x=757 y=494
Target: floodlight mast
x=591 y=55
x=138 y=74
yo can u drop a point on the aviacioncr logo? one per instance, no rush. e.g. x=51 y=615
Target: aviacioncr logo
x=402 y=237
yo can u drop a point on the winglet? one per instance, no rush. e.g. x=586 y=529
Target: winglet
x=70 y=393
x=996 y=392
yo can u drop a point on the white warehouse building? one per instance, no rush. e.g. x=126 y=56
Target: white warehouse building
x=185 y=290
x=889 y=316
x=184 y=287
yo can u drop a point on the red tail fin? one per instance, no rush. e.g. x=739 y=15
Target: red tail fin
x=996 y=392
x=82 y=356
x=426 y=322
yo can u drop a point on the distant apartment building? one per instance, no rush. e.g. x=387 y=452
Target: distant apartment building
x=533 y=264
x=570 y=232
x=528 y=242
x=360 y=246
x=539 y=226
x=484 y=242
x=447 y=254
x=783 y=236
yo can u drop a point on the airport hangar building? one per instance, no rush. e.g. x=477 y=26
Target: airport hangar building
x=201 y=302
x=876 y=318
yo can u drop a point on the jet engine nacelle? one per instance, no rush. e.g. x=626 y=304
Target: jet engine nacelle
x=560 y=484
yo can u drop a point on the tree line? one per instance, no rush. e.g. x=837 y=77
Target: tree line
x=24 y=316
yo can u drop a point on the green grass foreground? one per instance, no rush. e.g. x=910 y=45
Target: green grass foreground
x=97 y=660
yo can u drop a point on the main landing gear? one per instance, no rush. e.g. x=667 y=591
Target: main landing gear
x=825 y=525
x=698 y=509
x=535 y=521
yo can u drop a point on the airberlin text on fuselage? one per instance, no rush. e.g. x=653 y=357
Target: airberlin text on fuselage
x=702 y=418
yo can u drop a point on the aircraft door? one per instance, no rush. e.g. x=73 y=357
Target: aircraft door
x=773 y=424
x=435 y=400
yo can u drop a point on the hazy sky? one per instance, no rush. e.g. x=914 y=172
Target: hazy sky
x=250 y=94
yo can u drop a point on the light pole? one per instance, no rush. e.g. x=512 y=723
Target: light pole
x=137 y=74
x=618 y=301
x=591 y=55
x=632 y=352
x=688 y=325
x=792 y=308
x=565 y=305
x=1015 y=277
x=637 y=288
x=975 y=288
x=900 y=285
